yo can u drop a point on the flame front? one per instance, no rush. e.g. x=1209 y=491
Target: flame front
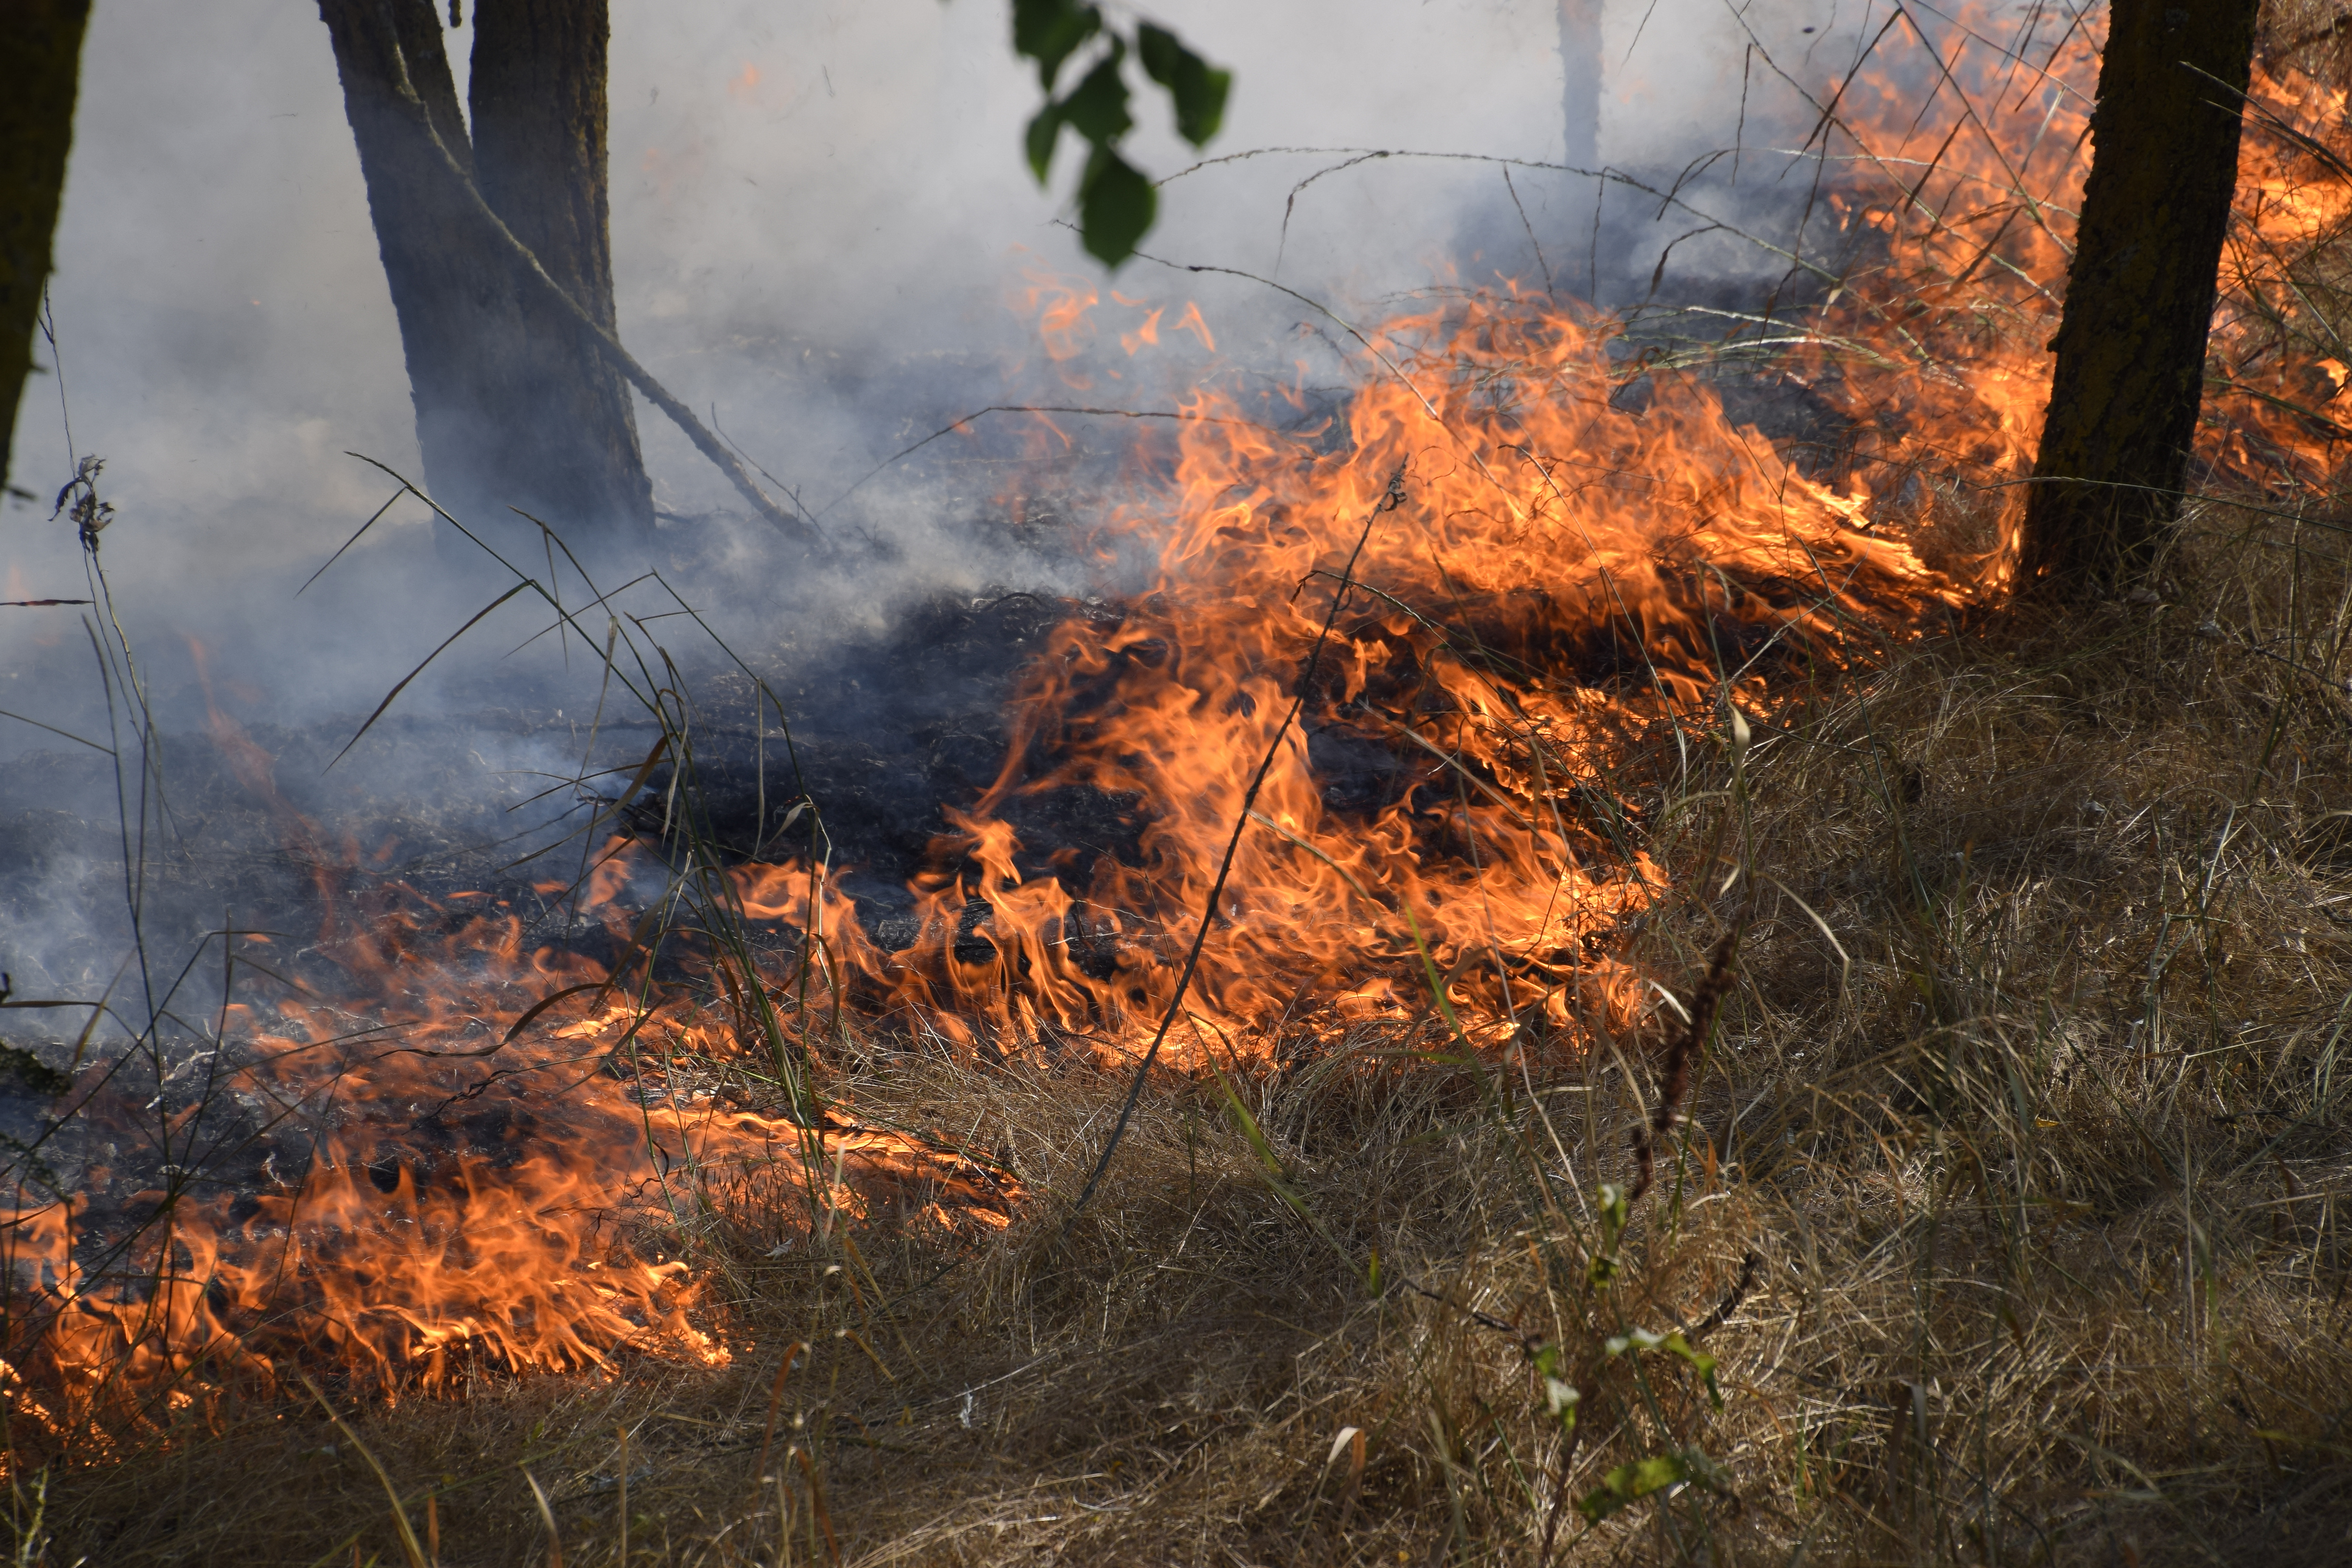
x=1546 y=539
x=1529 y=572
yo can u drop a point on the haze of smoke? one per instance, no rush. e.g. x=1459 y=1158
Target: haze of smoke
x=819 y=218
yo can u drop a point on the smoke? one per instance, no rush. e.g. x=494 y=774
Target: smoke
x=820 y=214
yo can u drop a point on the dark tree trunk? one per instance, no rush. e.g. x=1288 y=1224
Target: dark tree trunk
x=458 y=304
x=2139 y=294
x=514 y=405
x=537 y=92
x=40 y=67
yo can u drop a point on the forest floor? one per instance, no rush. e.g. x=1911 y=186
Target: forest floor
x=2004 y=1225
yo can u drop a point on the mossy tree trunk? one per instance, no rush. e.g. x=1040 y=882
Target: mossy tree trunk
x=2116 y=438
x=516 y=404
x=41 y=68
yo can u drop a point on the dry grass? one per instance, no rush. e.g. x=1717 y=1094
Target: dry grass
x=2024 y=1126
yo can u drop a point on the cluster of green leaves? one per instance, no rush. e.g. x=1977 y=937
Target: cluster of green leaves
x=1631 y=1483
x=1602 y=1268
x=1116 y=200
x=1644 y=1478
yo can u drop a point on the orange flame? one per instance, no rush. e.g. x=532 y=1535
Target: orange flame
x=1570 y=547
x=451 y=1213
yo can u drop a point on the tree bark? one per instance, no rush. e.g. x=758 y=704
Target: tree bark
x=2116 y=437
x=537 y=92
x=514 y=405
x=40 y=69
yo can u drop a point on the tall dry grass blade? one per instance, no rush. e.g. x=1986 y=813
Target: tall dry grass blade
x=554 y=1539
x=1391 y=500
x=792 y=1353
x=409 y=1544
x=817 y=1503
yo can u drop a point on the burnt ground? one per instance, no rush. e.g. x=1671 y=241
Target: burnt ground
x=445 y=817
x=432 y=822
x=925 y=725
x=888 y=733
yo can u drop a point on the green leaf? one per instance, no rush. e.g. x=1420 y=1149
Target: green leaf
x=1630 y=1483
x=1047 y=31
x=1197 y=92
x=1096 y=108
x=1561 y=1400
x=1700 y=1362
x=1116 y=204
x=1044 y=131
x=1613 y=1214
x=1162 y=54
x=1560 y=1396
x=1672 y=1344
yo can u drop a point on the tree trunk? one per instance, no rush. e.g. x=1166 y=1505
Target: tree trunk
x=2115 y=440
x=537 y=92
x=514 y=407
x=40 y=67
